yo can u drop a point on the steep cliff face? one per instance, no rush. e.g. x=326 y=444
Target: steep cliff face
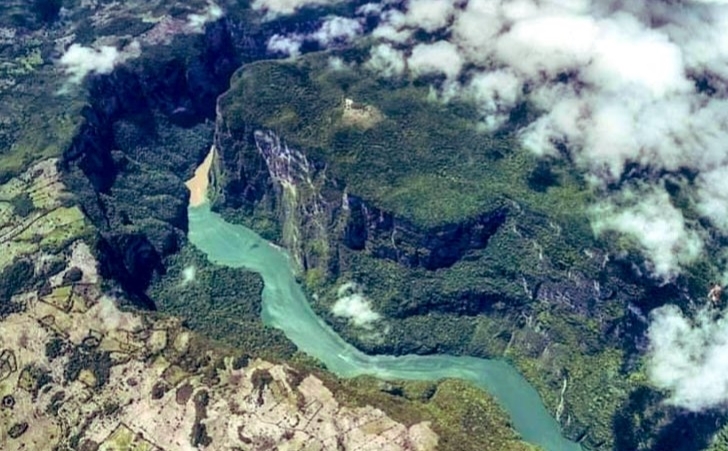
x=278 y=192
x=334 y=233
x=265 y=177
x=145 y=128
x=128 y=136
x=491 y=261
x=305 y=186
x=384 y=235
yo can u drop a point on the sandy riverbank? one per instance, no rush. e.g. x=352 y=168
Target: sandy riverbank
x=201 y=180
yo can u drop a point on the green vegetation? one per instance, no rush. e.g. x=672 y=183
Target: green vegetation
x=594 y=388
x=198 y=435
x=424 y=161
x=720 y=441
x=427 y=163
x=14 y=278
x=439 y=312
x=17 y=429
x=36 y=125
x=98 y=363
x=54 y=348
x=22 y=204
x=47 y=10
x=218 y=302
x=31 y=14
x=464 y=417
x=32 y=378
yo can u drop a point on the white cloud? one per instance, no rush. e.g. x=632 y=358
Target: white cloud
x=289 y=45
x=392 y=27
x=337 y=29
x=338 y=64
x=354 y=306
x=475 y=29
x=496 y=93
x=629 y=55
x=386 y=61
x=79 y=61
x=387 y=32
x=712 y=196
x=189 y=274
x=430 y=15
x=197 y=22
x=546 y=45
x=689 y=357
x=277 y=8
x=441 y=57
x=659 y=227
x=370 y=9
x=334 y=30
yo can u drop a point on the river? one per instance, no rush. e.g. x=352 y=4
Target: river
x=285 y=307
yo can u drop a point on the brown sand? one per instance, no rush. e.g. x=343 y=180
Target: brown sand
x=198 y=184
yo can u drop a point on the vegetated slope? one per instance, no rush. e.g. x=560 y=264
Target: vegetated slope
x=455 y=240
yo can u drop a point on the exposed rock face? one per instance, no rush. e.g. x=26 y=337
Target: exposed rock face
x=153 y=114
x=149 y=117
x=386 y=236
x=113 y=128
x=261 y=171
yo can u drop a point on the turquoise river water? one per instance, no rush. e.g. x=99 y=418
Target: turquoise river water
x=285 y=307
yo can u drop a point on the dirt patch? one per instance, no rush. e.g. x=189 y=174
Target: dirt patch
x=360 y=115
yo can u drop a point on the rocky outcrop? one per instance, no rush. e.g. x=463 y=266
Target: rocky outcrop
x=145 y=128
x=148 y=123
x=384 y=235
x=261 y=172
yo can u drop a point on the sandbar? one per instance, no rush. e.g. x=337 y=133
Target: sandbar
x=201 y=180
